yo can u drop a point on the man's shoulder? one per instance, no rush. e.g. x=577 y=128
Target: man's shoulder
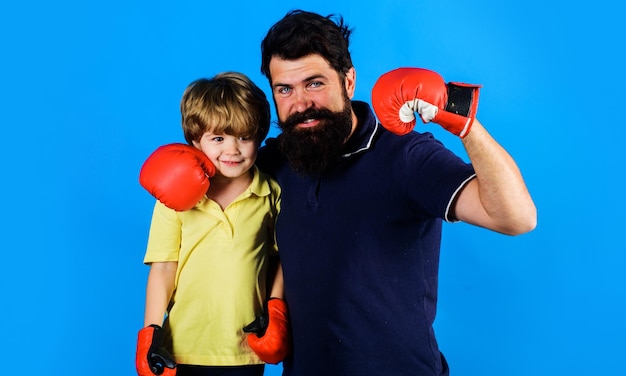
x=412 y=142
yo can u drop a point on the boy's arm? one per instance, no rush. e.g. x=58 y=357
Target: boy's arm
x=269 y=335
x=151 y=357
x=159 y=291
x=278 y=284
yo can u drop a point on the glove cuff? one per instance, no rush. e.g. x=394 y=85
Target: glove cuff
x=461 y=106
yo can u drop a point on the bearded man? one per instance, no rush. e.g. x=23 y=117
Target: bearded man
x=362 y=207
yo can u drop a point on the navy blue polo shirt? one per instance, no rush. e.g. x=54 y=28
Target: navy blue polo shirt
x=360 y=252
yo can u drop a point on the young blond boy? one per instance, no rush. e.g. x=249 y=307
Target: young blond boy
x=209 y=257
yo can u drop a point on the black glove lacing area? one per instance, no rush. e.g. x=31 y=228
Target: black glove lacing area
x=158 y=356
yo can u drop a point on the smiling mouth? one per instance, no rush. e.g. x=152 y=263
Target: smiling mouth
x=308 y=123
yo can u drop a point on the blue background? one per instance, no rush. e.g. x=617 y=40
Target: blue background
x=89 y=89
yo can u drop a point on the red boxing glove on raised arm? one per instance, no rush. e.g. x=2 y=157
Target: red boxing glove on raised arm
x=398 y=94
x=177 y=175
x=269 y=336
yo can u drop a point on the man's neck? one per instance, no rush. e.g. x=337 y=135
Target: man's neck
x=355 y=122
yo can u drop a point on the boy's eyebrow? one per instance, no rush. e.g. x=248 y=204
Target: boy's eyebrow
x=308 y=79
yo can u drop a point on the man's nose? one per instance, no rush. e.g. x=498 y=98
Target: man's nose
x=302 y=101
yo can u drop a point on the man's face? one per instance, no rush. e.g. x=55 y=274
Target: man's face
x=314 y=111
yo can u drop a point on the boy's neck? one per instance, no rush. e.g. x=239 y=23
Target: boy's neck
x=224 y=190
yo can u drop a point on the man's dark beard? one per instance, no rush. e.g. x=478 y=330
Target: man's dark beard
x=311 y=151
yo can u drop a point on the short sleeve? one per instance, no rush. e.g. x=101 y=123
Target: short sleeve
x=164 y=238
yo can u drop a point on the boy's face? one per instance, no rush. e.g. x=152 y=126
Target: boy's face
x=232 y=156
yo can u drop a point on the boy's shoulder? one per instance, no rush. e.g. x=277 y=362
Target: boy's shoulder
x=266 y=183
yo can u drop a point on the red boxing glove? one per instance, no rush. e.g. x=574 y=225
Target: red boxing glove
x=398 y=94
x=151 y=357
x=177 y=175
x=269 y=334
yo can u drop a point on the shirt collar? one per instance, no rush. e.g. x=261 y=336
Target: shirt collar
x=259 y=186
x=367 y=128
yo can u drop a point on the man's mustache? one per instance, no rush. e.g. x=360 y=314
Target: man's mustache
x=300 y=117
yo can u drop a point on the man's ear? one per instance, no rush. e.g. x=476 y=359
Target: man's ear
x=350 y=82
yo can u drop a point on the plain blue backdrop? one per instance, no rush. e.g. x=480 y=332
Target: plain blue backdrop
x=89 y=89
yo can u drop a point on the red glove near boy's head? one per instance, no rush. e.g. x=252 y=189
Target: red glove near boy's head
x=177 y=175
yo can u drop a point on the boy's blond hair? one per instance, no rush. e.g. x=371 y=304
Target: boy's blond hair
x=229 y=103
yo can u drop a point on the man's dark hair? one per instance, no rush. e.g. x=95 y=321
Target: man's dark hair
x=302 y=33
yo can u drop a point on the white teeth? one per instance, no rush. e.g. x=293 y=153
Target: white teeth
x=309 y=120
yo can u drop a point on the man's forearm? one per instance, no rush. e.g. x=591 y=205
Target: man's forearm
x=501 y=188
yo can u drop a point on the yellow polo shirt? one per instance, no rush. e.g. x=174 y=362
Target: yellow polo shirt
x=221 y=277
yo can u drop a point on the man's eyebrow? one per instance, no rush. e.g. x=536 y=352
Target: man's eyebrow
x=278 y=84
x=308 y=79
x=314 y=77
